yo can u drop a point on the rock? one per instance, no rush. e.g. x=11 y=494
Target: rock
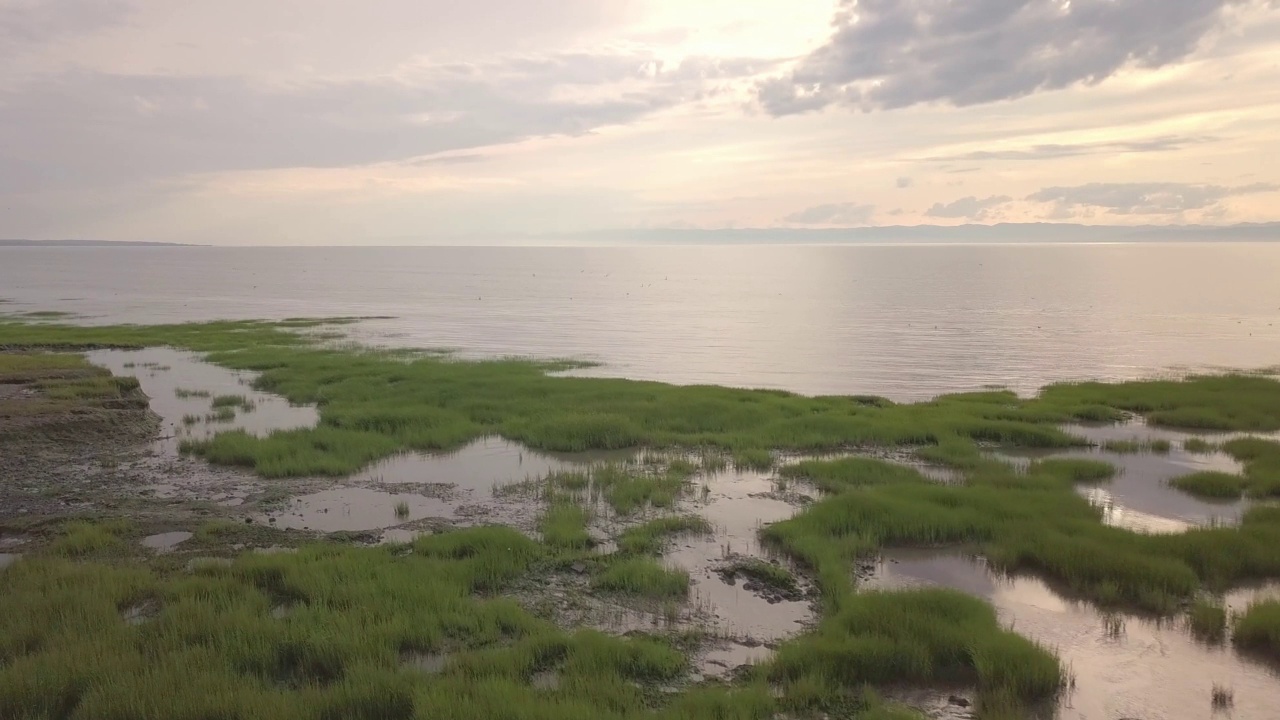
x=578 y=568
x=957 y=700
x=248 y=521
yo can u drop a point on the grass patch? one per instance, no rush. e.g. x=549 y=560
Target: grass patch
x=564 y=527
x=1222 y=697
x=644 y=578
x=651 y=537
x=83 y=539
x=374 y=404
x=1211 y=484
x=920 y=636
x=1031 y=521
x=1258 y=629
x=753 y=459
x=222 y=415
x=833 y=476
x=1198 y=446
x=184 y=393
x=765 y=573
x=1261 y=477
x=1207 y=620
x=402 y=510
x=232 y=401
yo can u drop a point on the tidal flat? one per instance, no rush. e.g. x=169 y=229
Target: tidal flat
x=400 y=534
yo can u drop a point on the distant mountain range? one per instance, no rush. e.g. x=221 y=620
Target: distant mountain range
x=1000 y=233
x=86 y=243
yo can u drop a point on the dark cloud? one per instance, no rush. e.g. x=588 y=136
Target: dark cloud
x=896 y=53
x=1142 y=198
x=1049 y=151
x=971 y=208
x=832 y=214
x=89 y=128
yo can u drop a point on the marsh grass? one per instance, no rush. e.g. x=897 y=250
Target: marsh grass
x=221 y=415
x=644 y=578
x=753 y=459
x=651 y=537
x=1222 y=697
x=564 y=527
x=834 y=476
x=1261 y=477
x=184 y=393
x=376 y=403
x=1211 y=484
x=765 y=573
x=1198 y=446
x=234 y=402
x=402 y=510
x=189 y=420
x=85 y=539
x=1030 y=521
x=1258 y=629
x=1207 y=620
x=919 y=636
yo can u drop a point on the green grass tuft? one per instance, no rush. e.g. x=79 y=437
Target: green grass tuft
x=564 y=527
x=643 y=578
x=1211 y=484
x=651 y=537
x=1258 y=629
x=753 y=459
x=1198 y=446
x=1207 y=620
x=766 y=573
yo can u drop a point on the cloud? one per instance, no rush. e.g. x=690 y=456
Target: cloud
x=86 y=128
x=1157 y=198
x=971 y=208
x=897 y=53
x=1164 y=143
x=904 y=182
x=842 y=214
x=31 y=23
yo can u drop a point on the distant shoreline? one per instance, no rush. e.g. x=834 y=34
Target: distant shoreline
x=89 y=243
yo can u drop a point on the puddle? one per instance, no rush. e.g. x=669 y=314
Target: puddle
x=164 y=542
x=480 y=466
x=1151 y=670
x=352 y=509
x=1239 y=600
x=7 y=559
x=1117 y=515
x=737 y=517
x=722 y=661
x=163 y=372
x=1139 y=497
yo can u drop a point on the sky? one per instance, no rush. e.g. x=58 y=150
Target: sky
x=285 y=122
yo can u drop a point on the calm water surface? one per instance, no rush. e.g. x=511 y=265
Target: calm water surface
x=903 y=321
